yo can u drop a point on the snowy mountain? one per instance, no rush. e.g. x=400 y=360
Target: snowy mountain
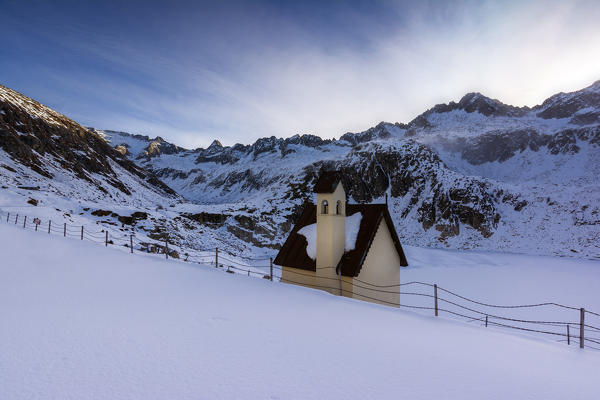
x=55 y=169
x=472 y=174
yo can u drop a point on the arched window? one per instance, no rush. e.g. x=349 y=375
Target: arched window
x=324 y=207
x=338 y=207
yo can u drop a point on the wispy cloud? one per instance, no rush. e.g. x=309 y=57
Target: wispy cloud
x=274 y=72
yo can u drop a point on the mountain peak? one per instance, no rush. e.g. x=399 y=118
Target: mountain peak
x=215 y=144
x=470 y=103
x=475 y=101
x=570 y=105
x=474 y=97
x=594 y=87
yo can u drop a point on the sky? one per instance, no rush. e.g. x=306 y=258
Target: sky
x=235 y=71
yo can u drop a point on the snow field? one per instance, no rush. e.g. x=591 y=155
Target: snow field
x=511 y=280
x=82 y=322
x=455 y=299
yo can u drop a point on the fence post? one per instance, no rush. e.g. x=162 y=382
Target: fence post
x=435 y=298
x=49 y=225
x=81 y=232
x=7 y=217
x=568 y=335
x=16 y=219
x=581 y=325
x=65 y=230
x=25 y=221
x=36 y=224
x=131 y=242
x=106 y=238
x=486 y=321
x=217 y=258
x=167 y=247
x=271 y=268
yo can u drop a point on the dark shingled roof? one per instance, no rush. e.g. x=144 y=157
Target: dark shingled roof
x=293 y=252
x=328 y=181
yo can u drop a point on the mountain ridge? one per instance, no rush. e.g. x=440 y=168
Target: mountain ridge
x=472 y=174
x=470 y=102
x=458 y=138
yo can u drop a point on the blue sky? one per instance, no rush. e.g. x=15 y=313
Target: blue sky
x=236 y=71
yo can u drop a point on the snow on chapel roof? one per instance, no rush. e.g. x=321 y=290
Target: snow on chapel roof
x=296 y=249
x=352 y=228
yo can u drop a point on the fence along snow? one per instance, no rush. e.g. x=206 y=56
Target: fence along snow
x=467 y=313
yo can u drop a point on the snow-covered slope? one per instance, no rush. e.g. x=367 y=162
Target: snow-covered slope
x=83 y=322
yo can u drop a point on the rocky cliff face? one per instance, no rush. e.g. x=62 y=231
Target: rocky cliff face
x=581 y=107
x=475 y=102
x=500 y=146
x=32 y=135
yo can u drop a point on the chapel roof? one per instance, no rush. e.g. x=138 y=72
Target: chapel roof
x=293 y=252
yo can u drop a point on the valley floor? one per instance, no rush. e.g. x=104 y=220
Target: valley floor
x=79 y=321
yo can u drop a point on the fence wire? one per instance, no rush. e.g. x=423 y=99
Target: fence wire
x=230 y=263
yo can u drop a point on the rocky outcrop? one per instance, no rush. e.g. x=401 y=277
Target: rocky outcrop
x=500 y=146
x=159 y=146
x=244 y=181
x=470 y=103
x=208 y=218
x=220 y=154
x=133 y=218
x=414 y=174
x=380 y=131
x=442 y=198
x=476 y=102
x=568 y=105
x=30 y=133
